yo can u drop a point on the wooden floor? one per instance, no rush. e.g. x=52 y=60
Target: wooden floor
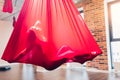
x=26 y=72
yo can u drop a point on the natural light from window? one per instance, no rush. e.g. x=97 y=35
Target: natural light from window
x=115 y=13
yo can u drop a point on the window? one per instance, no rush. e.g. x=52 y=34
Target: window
x=114 y=20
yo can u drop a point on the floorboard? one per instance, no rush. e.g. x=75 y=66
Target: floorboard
x=20 y=72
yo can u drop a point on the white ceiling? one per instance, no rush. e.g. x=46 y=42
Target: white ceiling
x=17 y=6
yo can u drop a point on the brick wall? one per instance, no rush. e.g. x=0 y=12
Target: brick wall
x=94 y=18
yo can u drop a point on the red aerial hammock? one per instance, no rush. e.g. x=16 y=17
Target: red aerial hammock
x=7 y=7
x=49 y=33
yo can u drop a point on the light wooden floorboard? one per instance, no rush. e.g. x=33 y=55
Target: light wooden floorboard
x=26 y=72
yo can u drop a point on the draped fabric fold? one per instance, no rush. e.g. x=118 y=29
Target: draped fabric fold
x=7 y=6
x=49 y=33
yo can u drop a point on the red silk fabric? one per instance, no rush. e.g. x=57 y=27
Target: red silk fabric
x=7 y=6
x=49 y=33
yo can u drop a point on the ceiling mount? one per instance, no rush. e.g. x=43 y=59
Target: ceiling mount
x=15 y=2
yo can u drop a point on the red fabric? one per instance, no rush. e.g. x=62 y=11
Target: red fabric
x=49 y=33
x=7 y=7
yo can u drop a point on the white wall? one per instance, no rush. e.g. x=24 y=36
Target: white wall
x=5 y=32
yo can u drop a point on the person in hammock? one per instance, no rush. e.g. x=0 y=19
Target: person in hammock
x=61 y=36
x=34 y=54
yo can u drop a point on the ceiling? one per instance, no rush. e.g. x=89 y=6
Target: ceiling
x=17 y=6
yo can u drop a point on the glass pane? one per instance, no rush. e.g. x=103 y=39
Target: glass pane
x=115 y=46
x=115 y=15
